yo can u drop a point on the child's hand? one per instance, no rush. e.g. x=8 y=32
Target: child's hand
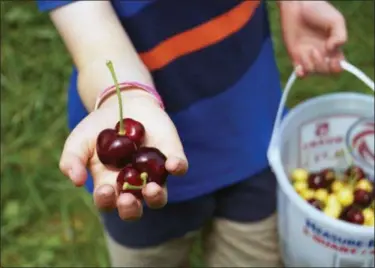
x=313 y=32
x=80 y=152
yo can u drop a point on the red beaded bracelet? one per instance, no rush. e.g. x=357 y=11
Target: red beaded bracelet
x=128 y=85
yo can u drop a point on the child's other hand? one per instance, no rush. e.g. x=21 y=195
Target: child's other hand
x=313 y=32
x=80 y=152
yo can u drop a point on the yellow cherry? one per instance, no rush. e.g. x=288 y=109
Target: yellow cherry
x=299 y=174
x=321 y=195
x=337 y=186
x=300 y=186
x=364 y=184
x=332 y=200
x=345 y=196
x=307 y=194
x=369 y=216
x=333 y=211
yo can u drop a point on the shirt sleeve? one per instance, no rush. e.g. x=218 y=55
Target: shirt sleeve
x=48 y=5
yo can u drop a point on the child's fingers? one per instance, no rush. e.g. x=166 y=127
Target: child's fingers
x=334 y=61
x=176 y=165
x=105 y=191
x=338 y=33
x=73 y=167
x=335 y=66
x=75 y=155
x=321 y=65
x=105 y=197
x=299 y=70
x=307 y=62
x=129 y=207
x=155 y=196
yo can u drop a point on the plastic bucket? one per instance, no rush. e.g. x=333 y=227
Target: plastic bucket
x=308 y=137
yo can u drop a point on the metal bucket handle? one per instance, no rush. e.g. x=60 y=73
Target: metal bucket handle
x=292 y=78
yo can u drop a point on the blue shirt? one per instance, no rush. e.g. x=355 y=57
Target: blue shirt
x=213 y=64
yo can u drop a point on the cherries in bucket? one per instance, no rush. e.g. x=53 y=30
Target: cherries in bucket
x=348 y=196
x=122 y=148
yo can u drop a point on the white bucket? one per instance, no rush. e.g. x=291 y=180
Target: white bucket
x=309 y=238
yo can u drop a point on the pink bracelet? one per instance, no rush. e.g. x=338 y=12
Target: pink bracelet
x=128 y=85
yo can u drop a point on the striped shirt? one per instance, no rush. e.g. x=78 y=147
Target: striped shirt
x=213 y=64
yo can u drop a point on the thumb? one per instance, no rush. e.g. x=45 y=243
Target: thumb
x=338 y=34
x=177 y=163
x=324 y=16
x=75 y=155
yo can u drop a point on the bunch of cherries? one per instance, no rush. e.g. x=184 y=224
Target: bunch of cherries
x=121 y=148
x=348 y=196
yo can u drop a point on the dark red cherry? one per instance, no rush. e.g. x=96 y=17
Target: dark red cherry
x=329 y=175
x=354 y=215
x=315 y=203
x=344 y=212
x=355 y=172
x=362 y=198
x=114 y=150
x=317 y=181
x=151 y=161
x=134 y=130
x=129 y=180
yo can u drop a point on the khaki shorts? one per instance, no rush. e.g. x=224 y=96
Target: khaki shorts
x=225 y=244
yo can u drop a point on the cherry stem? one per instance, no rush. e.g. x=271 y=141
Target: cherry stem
x=349 y=161
x=352 y=174
x=118 y=92
x=128 y=186
x=144 y=177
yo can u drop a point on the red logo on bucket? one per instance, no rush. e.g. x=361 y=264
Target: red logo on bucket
x=322 y=129
x=360 y=139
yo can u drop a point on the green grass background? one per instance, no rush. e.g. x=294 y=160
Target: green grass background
x=45 y=221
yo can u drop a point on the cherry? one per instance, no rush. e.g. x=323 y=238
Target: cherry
x=315 y=203
x=152 y=162
x=329 y=175
x=129 y=180
x=299 y=175
x=344 y=212
x=134 y=130
x=362 y=198
x=354 y=215
x=113 y=147
x=317 y=181
x=355 y=173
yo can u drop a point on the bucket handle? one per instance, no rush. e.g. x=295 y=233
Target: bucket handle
x=292 y=78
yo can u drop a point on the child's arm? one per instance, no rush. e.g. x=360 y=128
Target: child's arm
x=93 y=34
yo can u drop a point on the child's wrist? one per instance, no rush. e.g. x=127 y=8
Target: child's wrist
x=128 y=90
x=129 y=95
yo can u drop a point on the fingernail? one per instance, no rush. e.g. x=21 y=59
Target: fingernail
x=127 y=200
x=153 y=190
x=104 y=197
x=106 y=192
x=71 y=174
x=298 y=69
x=177 y=166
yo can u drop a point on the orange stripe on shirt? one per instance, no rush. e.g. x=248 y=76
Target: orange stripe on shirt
x=200 y=36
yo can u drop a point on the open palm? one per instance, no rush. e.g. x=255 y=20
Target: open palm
x=80 y=151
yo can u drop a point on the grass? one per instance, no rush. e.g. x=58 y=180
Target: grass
x=45 y=221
